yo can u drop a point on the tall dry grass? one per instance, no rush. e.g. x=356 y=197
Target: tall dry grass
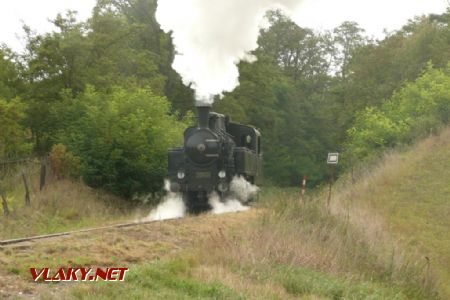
x=299 y=234
x=401 y=205
x=62 y=205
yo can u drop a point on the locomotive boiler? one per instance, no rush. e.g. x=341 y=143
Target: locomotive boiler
x=215 y=151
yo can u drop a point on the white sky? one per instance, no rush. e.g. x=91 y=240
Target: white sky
x=374 y=16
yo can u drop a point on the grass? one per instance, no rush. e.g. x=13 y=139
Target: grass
x=61 y=206
x=403 y=204
x=161 y=280
x=176 y=279
x=386 y=236
x=313 y=251
x=293 y=250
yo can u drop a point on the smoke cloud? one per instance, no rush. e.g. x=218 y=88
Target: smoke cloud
x=172 y=207
x=227 y=206
x=241 y=191
x=212 y=36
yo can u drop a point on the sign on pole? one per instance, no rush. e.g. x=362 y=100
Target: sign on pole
x=333 y=158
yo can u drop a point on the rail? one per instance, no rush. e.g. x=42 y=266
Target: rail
x=67 y=233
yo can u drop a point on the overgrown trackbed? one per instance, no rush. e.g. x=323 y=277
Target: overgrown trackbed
x=109 y=247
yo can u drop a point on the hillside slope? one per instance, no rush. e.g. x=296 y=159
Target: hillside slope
x=404 y=206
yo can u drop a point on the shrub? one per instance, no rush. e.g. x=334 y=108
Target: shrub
x=121 y=137
x=415 y=110
x=63 y=163
x=13 y=136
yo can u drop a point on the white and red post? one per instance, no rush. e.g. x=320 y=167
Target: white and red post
x=305 y=179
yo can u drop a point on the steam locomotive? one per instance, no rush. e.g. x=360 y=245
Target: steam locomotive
x=214 y=152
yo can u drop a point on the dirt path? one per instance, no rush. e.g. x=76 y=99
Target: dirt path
x=120 y=247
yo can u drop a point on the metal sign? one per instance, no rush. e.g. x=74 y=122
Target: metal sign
x=333 y=158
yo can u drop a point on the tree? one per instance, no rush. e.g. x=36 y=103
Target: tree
x=13 y=136
x=298 y=51
x=10 y=83
x=348 y=37
x=121 y=137
x=415 y=110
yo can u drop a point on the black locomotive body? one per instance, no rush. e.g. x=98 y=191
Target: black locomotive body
x=214 y=153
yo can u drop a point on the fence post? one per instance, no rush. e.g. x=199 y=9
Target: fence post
x=330 y=186
x=305 y=178
x=43 y=173
x=27 y=189
x=4 y=203
x=332 y=161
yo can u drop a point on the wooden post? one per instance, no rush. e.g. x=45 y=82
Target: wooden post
x=332 y=161
x=352 y=169
x=4 y=203
x=331 y=184
x=43 y=174
x=303 y=188
x=27 y=189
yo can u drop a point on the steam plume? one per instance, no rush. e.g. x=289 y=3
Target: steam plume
x=212 y=36
x=172 y=207
x=229 y=205
x=241 y=191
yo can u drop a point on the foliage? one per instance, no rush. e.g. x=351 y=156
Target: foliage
x=121 y=137
x=63 y=163
x=13 y=136
x=120 y=45
x=285 y=95
x=419 y=108
x=9 y=74
x=305 y=92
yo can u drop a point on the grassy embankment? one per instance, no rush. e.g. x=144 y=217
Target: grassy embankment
x=405 y=202
x=386 y=236
x=62 y=205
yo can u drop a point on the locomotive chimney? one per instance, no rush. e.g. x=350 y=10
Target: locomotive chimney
x=203 y=115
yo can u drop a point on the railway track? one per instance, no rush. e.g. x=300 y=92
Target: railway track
x=68 y=233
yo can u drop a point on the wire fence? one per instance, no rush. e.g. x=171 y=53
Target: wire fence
x=29 y=174
x=9 y=162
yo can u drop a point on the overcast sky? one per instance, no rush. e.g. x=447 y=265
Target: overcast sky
x=374 y=16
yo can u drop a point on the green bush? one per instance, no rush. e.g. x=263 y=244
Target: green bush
x=419 y=108
x=121 y=137
x=14 y=138
x=63 y=162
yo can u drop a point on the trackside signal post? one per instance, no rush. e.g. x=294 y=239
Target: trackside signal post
x=332 y=161
x=303 y=188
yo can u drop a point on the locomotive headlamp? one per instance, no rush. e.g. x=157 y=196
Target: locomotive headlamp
x=180 y=174
x=222 y=174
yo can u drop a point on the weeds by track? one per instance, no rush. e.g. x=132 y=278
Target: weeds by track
x=67 y=233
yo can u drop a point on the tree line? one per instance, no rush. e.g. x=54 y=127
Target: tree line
x=103 y=92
